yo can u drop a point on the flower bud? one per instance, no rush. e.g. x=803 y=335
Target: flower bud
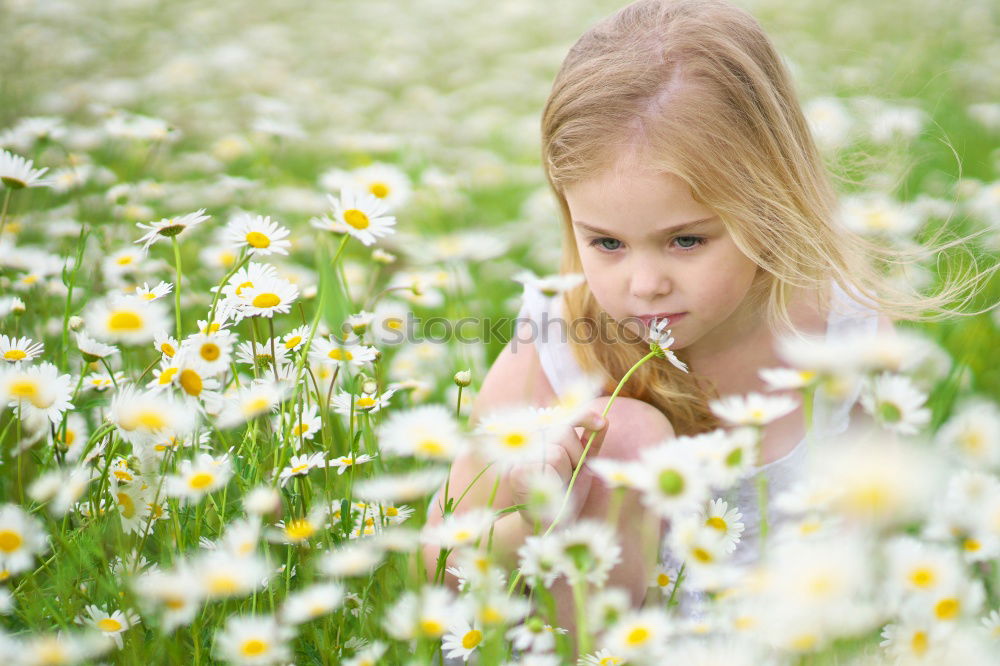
x=75 y=323
x=383 y=257
x=463 y=378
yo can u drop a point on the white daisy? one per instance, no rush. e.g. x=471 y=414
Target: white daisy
x=461 y=640
x=266 y=297
x=300 y=530
x=169 y=227
x=753 y=409
x=93 y=350
x=315 y=601
x=16 y=172
x=660 y=339
x=261 y=397
x=366 y=402
x=295 y=338
x=428 y=432
x=973 y=433
x=515 y=435
x=151 y=294
x=254 y=640
x=550 y=285
x=385 y=182
x=126 y=319
x=726 y=522
x=639 y=636
x=783 y=379
x=196 y=478
x=396 y=488
x=38 y=387
x=22 y=537
x=671 y=479
x=258 y=234
x=211 y=352
x=896 y=403
x=165 y=344
x=221 y=574
x=14 y=349
x=259 y=354
x=343 y=463
x=357 y=558
x=335 y=351
x=459 y=529
x=112 y=624
x=588 y=550
x=301 y=465
x=359 y=214
x=302 y=426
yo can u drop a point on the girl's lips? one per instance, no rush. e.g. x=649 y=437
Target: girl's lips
x=647 y=319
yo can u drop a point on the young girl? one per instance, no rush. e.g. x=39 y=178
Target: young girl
x=690 y=188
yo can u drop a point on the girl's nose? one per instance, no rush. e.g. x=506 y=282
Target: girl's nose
x=649 y=281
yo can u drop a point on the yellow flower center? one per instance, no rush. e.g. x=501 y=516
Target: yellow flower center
x=394 y=323
x=922 y=577
x=14 y=355
x=167 y=375
x=191 y=382
x=253 y=647
x=472 y=639
x=431 y=447
x=151 y=420
x=515 y=440
x=222 y=584
x=717 y=522
x=10 y=541
x=239 y=289
x=610 y=661
x=28 y=389
x=463 y=535
x=804 y=642
x=356 y=218
x=391 y=511
x=124 y=320
x=201 y=480
x=257 y=239
x=300 y=429
x=297 y=530
x=298 y=469
x=663 y=580
x=919 y=643
x=167 y=349
x=127 y=505
x=266 y=300
x=971 y=545
x=255 y=405
x=947 y=609
x=365 y=402
x=637 y=636
x=490 y=615
x=109 y=624
x=293 y=342
x=380 y=190
x=209 y=351
x=341 y=355
x=124 y=261
x=431 y=627
x=702 y=555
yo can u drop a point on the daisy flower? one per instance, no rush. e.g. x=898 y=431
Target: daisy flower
x=660 y=339
x=588 y=550
x=22 y=537
x=357 y=558
x=259 y=354
x=335 y=351
x=111 y=625
x=535 y=636
x=220 y=574
x=261 y=397
x=671 y=479
x=359 y=214
x=397 y=488
x=459 y=529
x=343 y=463
x=174 y=594
x=974 y=434
x=551 y=285
x=198 y=477
x=211 y=352
x=159 y=291
x=165 y=344
x=512 y=436
x=93 y=350
x=169 y=227
x=300 y=530
x=731 y=455
x=783 y=379
x=295 y=338
x=428 y=432
x=126 y=319
x=258 y=234
x=601 y=658
x=639 y=636
x=39 y=387
x=143 y=417
x=59 y=648
x=424 y=614
x=254 y=640
x=726 y=522
x=14 y=349
x=300 y=466
x=896 y=403
x=754 y=409
x=133 y=505
x=266 y=297
x=366 y=402
x=302 y=426
x=461 y=640
x=102 y=381
x=315 y=601
x=385 y=182
x=369 y=656
x=16 y=172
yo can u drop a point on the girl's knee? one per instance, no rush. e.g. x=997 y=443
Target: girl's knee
x=632 y=426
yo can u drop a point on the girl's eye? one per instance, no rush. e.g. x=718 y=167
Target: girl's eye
x=688 y=242
x=609 y=244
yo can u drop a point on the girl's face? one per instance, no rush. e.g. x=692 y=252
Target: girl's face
x=648 y=248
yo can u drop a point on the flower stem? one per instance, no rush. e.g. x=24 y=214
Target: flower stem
x=3 y=214
x=590 y=440
x=177 y=287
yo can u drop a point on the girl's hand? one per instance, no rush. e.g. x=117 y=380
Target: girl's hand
x=559 y=461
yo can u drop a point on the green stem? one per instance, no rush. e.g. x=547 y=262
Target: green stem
x=580 y=605
x=244 y=257
x=3 y=214
x=177 y=286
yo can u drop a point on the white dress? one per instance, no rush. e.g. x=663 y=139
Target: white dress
x=846 y=317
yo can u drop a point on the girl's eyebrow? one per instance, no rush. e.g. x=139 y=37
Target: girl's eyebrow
x=668 y=230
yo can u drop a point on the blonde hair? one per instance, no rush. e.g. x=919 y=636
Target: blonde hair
x=696 y=89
